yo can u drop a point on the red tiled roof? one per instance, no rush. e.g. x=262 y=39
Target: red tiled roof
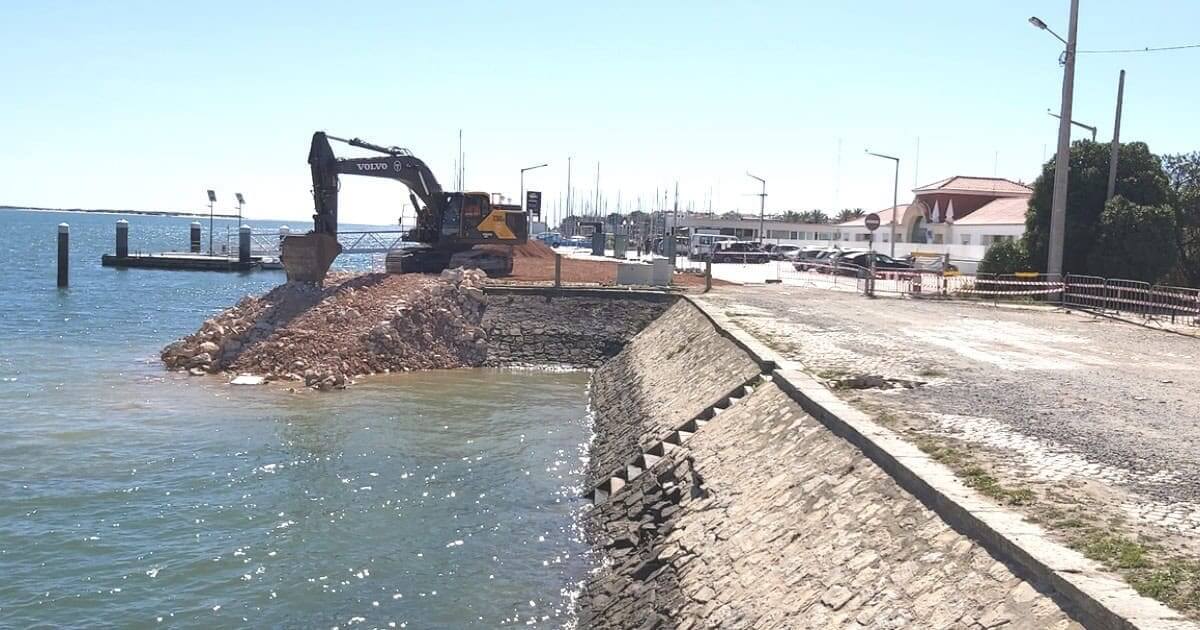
x=976 y=185
x=885 y=217
x=1003 y=211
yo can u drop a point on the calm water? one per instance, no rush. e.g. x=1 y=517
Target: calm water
x=133 y=497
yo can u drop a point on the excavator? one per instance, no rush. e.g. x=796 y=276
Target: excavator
x=449 y=224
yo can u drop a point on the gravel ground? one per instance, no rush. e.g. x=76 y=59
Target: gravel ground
x=1105 y=407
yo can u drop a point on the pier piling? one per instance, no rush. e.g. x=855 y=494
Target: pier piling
x=195 y=237
x=557 y=270
x=64 y=244
x=244 y=244
x=122 y=238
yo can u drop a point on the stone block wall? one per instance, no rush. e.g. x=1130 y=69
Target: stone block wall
x=676 y=367
x=571 y=328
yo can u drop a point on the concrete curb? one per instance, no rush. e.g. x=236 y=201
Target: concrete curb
x=567 y=291
x=1100 y=599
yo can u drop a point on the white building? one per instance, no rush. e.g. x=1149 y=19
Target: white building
x=959 y=216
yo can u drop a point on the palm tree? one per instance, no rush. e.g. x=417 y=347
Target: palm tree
x=791 y=216
x=815 y=216
x=849 y=214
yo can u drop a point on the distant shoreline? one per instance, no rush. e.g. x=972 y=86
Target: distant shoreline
x=153 y=213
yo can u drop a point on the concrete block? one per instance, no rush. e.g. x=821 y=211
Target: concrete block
x=634 y=274
x=661 y=275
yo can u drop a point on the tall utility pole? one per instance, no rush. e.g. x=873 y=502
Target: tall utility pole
x=762 y=205
x=598 y=188
x=1116 y=141
x=568 y=185
x=670 y=245
x=1062 y=162
x=895 y=200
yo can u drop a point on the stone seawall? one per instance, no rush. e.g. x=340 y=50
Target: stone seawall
x=639 y=397
x=571 y=328
x=753 y=515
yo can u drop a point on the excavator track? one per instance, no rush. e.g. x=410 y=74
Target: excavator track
x=428 y=260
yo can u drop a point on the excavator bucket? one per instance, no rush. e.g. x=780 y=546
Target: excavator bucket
x=307 y=258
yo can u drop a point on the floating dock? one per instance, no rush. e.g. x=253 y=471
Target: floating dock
x=185 y=261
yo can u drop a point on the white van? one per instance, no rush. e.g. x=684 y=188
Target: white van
x=701 y=246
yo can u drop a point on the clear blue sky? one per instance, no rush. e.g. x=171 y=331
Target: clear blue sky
x=144 y=105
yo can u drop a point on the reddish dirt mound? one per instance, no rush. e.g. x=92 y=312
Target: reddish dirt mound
x=533 y=249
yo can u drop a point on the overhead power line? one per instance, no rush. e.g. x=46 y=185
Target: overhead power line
x=1140 y=50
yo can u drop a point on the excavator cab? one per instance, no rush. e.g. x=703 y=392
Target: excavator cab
x=471 y=219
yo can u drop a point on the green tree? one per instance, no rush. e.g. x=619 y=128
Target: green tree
x=849 y=214
x=1140 y=179
x=791 y=216
x=1183 y=177
x=1136 y=242
x=731 y=215
x=1005 y=257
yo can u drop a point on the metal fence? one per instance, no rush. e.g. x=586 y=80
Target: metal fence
x=1115 y=295
x=1092 y=293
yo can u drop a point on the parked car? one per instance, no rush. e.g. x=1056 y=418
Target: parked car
x=784 y=252
x=856 y=262
x=815 y=259
x=739 y=252
x=701 y=245
x=553 y=239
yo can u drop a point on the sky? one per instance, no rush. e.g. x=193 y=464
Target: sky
x=144 y=105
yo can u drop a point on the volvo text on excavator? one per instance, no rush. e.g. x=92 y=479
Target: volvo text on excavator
x=449 y=224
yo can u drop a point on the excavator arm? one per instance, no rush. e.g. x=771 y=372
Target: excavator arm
x=396 y=163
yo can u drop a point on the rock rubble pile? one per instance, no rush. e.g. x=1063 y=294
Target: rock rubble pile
x=356 y=324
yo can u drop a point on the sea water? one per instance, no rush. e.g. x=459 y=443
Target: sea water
x=134 y=497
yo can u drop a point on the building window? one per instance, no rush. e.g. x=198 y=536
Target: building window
x=988 y=239
x=860 y=237
x=966 y=239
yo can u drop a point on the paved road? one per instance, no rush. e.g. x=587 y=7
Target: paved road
x=1067 y=395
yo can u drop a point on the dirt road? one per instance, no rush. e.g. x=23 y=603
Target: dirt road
x=1097 y=412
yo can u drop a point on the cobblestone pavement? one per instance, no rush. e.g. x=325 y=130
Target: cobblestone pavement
x=1100 y=408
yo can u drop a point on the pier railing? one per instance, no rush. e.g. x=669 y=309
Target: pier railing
x=353 y=241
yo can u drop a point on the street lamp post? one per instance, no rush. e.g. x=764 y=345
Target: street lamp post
x=1062 y=162
x=212 y=198
x=895 y=200
x=527 y=168
x=241 y=201
x=762 y=205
